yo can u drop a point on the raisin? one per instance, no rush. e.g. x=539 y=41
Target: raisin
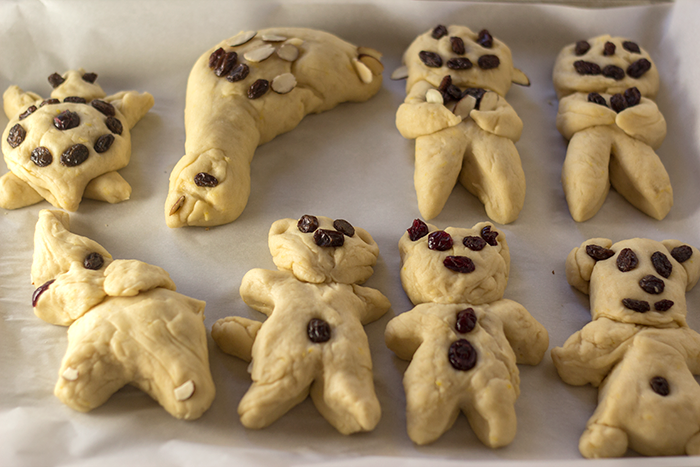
x=75 y=155
x=457 y=45
x=599 y=253
x=105 y=107
x=307 y=223
x=609 y=49
x=459 y=63
x=49 y=102
x=114 y=125
x=640 y=306
x=474 y=243
x=489 y=62
x=40 y=290
x=614 y=72
x=596 y=98
x=627 y=260
x=258 y=88
x=660 y=385
x=215 y=57
x=466 y=321
x=103 y=143
x=618 y=102
x=206 y=180
x=439 y=31
x=344 y=227
x=75 y=100
x=462 y=355
x=28 y=112
x=459 y=264
x=16 y=135
x=94 y=261
x=663 y=305
x=90 y=77
x=55 y=80
x=586 y=68
x=631 y=47
x=632 y=96
x=638 y=68
x=581 y=48
x=448 y=90
x=228 y=61
x=41 y=157
x=238 y=73
x=417 y=230
x=662 y=265
x=430 y=59
x=485 y=39
x=332 y=238
x=66 y=120
x=489 y=235
x=318 y=330
x=652 y=284
x=682 y=253
x=439 y=241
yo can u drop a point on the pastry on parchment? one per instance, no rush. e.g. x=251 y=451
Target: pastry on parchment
x=245 y=91
x=127 y=325
x=465 y=130
x=70 y=145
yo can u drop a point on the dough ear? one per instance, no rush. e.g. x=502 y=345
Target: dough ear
x=691 y=263
x=579 y=264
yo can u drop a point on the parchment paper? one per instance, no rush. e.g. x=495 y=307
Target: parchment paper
x=347 y=163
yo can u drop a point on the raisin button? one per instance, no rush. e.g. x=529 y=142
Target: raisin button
x=462 y=355
x=75 y=155
x=307 y=223
x=206 y=180
x=94 y=261
x=466 y=321
x=660 y=385
x=16 y=135
x=318 y=330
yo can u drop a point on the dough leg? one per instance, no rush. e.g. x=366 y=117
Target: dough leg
x=600 y=441
x=110 y=187
x=266 y=402
x=15 y=193
x=492 y=415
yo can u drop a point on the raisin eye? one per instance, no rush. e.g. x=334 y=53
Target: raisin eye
x=439 y=241
x=682 y=253
x=581 y=48
x=318 y=331
x=466 y=321
x=462 y=355
x=332 y=238
x=662 y=265
x=474 y=243
x=489 y=235
x=627 y=260
x=417 y=230
x=344 y=227
x=307 y=223
x=599 y=253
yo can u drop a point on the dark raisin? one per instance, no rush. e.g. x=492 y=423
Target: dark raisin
x=51 y=101
x=660 y=385
x=618 y=102
x=631 y=47
x=638 y=68
x=41 y=157
x=55 y=80
x=318 y=330
x=75 y=155
x=216 y=57
x=448 y=90
x=105 y=107
x=114 y=125
x=439 y=241
x=417 y=230
x=474 y=243
x=466 y=321
x=228 y=61
x=307 y=223
x=609 y=49
x=238 y=73
x=614 y=72
x=28 y=112
x=66 y=120
x=75 y=100
x=323 y=237
x=459 y=63
x=581 y=48
x=439 y=31
x=459 y=264
x=627 y=260
x=103 y=143
x=489 y=62
x=40 y=290
x=16 y=135
x=462 y=355
x=258 y=88
x=652 y=284
x=344 y=227
x=599 y=253
x=682 y=253
x=430 y=59
x=485 y=39
x=640 y=306
x=93 y=261
x=457 y=45
x=596 y=98
x=663 y=305
x=662 y=265
x=632 y=96
x=586 y=68
x=206 y=180
x=489 y=235
x=90 y=77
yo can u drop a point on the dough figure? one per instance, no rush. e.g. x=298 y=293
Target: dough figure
x=463 y=338
x=245 y=91
x=606 y=86
x=69 y=146
x=127 y=324
x=638 y=349
x=455 y=109
x=312 y=342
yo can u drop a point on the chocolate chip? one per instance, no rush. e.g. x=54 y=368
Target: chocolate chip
x=103 y=143
x=16 y=135
x=662 y=265
x=489 y=62
x=627 y=260
x=638 y=68
x=599 y=253
x=51 y=101
x=28 y=112
x=41 y=157
x=226 y=64
x=631 y=47
x=586 y=68
x=430 y=59
x=307 y=223
x=328 y=238
x=417 y=230
x=462 y=355
x=459 y=264
x=474 y=243
x=216 y=57
x=55 y=80
x=663 y=305
x=344 y=227
x=439 y=241
x=660 y=385
x=90 y=77
x=457 y=45
x=459 y=63
x=609 y=49
x=40 y=290
x=652 y=284
x=114 y=125
x=596 y=98
x=682 y=253
x=105 y=107
x=640 y=306
x=258 y=88
x=318 y=330
x=66 y=120
x=614 y=72
x=485 y=39
x=581 y=48
x=439 y=31
x=75 y=100
x=632 y=96
x=618 y=102
x=94 y=261
x=489 y=235
x=206 y=180
x=238 y=73
x=466 y=321
x=75 y=155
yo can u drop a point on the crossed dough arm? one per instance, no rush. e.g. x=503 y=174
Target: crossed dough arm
x=527 y=337
x=417 y=117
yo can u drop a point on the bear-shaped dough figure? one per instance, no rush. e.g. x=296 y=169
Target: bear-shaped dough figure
x=312 y=342
x=463 y=338
x=243 y=92
x=127 y=324
x=638 y=349
x=606 y=87
x=69 y=146
x=455 y=109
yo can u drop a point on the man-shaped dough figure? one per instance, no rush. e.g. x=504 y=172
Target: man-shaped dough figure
x=313 y=341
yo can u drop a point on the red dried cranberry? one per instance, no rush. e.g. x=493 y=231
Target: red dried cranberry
x=459 y=264
x=41 y=157
x=682 y=253
x=489 y=235
x=640 y=306
x=318 y=331
x=614 y=72
x=328 y=238
x=599 y=253
x=662 y=265
x=94 y=261
x=307 y=223
x=457 y=45
x=75 y=155
x=627 y=260
x=609 y=49
x=638 y=68
x=439 y=241
x=488 y=62
x=417 y=230
x=485 y=39
x=462 y=355
x=344 y=227
x=459 y=63
x=439 y=31
x=40 y=290
x=631 y=47
x=660 y=385
x=587 y=68
x=28 y=112
x=16 y=135
x=89 y=77
x=430 y=59
x=466 y=321
x=663 y=305
x=105 y=107
x=652 y=284
x=258 y=88
x=474 y=243
x=75 y=100
x=596 y=98
x=66 y=120
x=238 y=73
x=581 y=48
x=206 y=180
x=55 y=80
x=114 y=125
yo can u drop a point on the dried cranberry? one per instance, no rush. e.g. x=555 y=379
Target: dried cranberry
x=661 y=263
x=599 y=253
x=105 y=107
x=258 y=88
x=75 y=100
x=489 y=62
x=206 y=180
x=581 y=48
x=330 y=238
x=51 y=101
x=652 y=284
x=238 y=73
x=216 y=57
x=41 y=157
x=457 y=45
x=640 y=306
x=417 y=230
x=90 y=77
x=16 y=135
x=489 y=235
x=40 y=290
x=614 y=72
x=597 y=99
x=660 y=385
x=474 y=243
x=682 y=253
x=103 y=143
x=462 y=355
x=459 y=63
x=631 y=47
x=75 y=155
x=114 y=125
x=459 y=264
x=430 y=59
x=466 y=321
x=439 y=31
x=226 y=65
x=485 y=39
x=663 y=305
x=632 y=96
x=55 y=80
x=439 y=241
x=318 y=330
x=609 y=49
x=344 y=227
x=627 y=260
x=586 y=68
x=66 y=120
x=618 y=102
x=94 y=261
x=638 y=68
x=307 y=223
x=28 y=112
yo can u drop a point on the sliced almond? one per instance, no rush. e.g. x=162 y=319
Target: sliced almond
x=259 y=54
x=178 y=204
x=372 y=63
x=363 y=71
x=489 y=101
x=242 y=37
x=185 y=391
x=434 y=96
x=283 y=83
x=288 y=52
x=400 y=73
x=70 y=374
x=273 y=38
x=295 y=41
x=520 y=78
x=464 y=106
x=369 y=51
